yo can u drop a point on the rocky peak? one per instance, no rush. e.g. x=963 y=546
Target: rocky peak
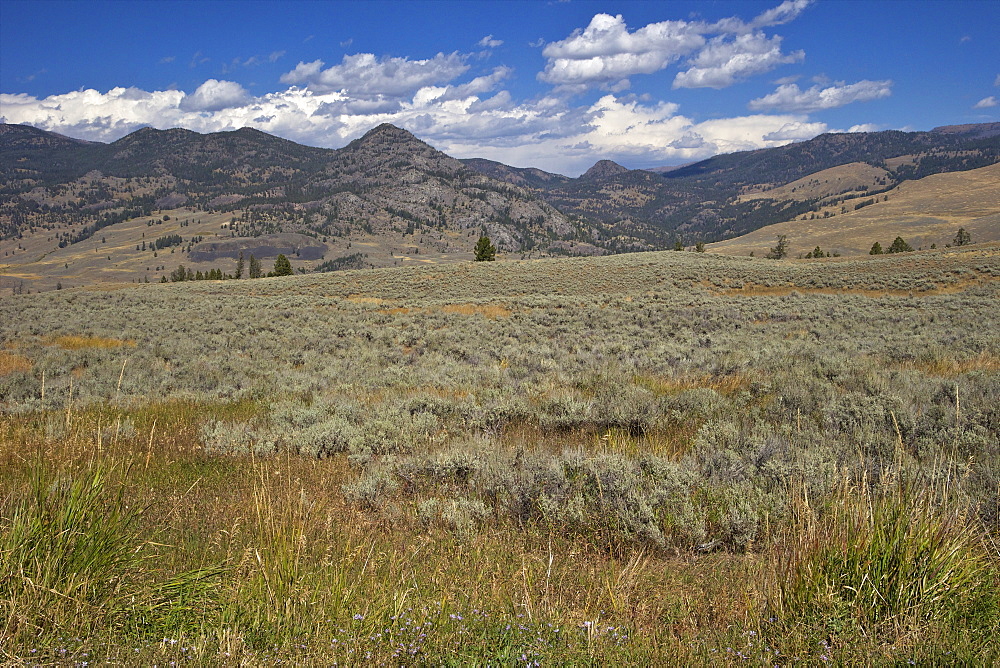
x=604 y=169
x=387 y=134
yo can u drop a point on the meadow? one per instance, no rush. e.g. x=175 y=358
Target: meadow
x=654 y=458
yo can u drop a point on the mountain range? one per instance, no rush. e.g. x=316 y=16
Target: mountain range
x=389 y=197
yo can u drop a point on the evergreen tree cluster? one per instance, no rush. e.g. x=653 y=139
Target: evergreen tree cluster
x=282 y=267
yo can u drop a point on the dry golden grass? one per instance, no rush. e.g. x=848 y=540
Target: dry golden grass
x=13 y=363
x=824 y=183
x=724 y=385
x=492 y=311
x=923 y=212
x=949 y=367
x=73 y=342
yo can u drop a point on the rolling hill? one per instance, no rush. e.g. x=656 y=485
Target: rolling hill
x=75 y=212
x=924 y=212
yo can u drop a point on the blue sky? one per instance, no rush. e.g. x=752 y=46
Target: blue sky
x=555 y=85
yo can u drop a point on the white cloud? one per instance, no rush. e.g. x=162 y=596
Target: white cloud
x=214 y=95
x=725 y=61
x=790 y=97
x=864 y=127
x=795 y=131
x=466 y=119
x=605 y=51
x=490 y=43
x=986 y=103
x=364 y=74
x=783 y=13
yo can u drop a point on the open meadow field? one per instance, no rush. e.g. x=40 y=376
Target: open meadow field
x=646 y=459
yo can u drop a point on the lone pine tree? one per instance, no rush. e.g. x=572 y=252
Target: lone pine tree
x=485 y=251
x=282 y=267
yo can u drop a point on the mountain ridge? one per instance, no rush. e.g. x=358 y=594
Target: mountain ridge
x=398 y=198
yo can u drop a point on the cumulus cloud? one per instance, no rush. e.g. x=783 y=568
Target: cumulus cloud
x=795 y=131
x=605 y=51
x=490 y=43
x=790 y=97
x=986 y=103
x=215 y=95
x=724 y=61
x=546 y=132
x=364 y=74
x=720 y=54
x=864 y=127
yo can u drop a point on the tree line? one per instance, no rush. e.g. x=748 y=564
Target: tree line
x=252 y=269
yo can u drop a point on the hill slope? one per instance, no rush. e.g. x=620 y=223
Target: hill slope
x=924 y=212
x=81 y=211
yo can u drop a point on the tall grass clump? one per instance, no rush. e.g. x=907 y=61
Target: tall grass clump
x=888 y=561
x=73 y=562
x=68 y=552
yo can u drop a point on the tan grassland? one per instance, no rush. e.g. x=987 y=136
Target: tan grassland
x=924 y=212
x=842 y=179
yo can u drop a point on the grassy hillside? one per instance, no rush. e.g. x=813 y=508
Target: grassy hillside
x=648 y=459
x=851 y=180
x=924 y=212
x=123 y=252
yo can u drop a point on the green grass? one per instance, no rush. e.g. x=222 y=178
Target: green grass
x=605 y=462
x=885 y=561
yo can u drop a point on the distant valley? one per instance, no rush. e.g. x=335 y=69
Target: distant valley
x=76 y=213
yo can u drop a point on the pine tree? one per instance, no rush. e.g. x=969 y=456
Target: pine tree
x=255 y=270
x=899 y=246
x=781 y=250
x=239 y=266
x=282 y=267
x=485 y=251
x=962 y=238
x=876 y=249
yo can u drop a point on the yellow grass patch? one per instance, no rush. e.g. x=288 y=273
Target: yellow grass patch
x=11 y=363
x=361 y=299
x=725 y=385
x=949 y=367
x=72 y=342
x=673 y=441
